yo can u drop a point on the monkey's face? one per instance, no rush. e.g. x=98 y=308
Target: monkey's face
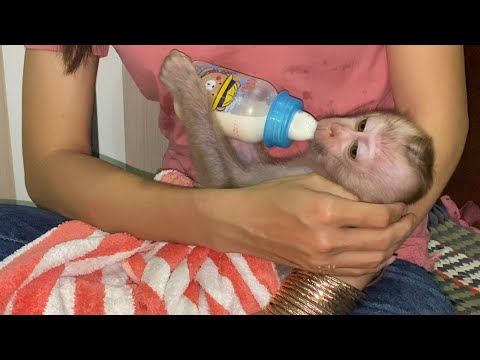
x=351 y=138
x=372 y=155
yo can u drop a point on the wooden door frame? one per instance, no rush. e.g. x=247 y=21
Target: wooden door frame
x=7 y=180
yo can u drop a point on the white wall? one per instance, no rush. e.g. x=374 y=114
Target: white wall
x=110 y=116
x=109 y=109
x=13 y=71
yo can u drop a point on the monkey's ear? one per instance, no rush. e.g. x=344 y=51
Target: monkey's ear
x=421 y=155
x=420 y=150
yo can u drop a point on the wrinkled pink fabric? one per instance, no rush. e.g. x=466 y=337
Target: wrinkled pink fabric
x=415 y=248
x=330 y=79
x=468 y=215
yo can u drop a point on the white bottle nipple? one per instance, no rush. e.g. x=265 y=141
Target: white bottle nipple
x=302 y=127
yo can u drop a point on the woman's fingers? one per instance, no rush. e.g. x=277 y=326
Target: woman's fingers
x=317 y=183
x=348 y=213
x=374 y=239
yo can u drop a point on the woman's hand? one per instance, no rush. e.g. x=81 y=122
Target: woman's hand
x=305 y=222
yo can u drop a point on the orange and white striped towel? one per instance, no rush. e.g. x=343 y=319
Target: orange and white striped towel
x=77 y=269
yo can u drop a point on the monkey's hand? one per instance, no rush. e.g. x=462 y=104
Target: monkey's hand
x=213 y=156
x=177 y=72
x=181 y=79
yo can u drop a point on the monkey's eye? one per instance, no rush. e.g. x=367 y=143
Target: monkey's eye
x=352 y=152
x=362 y=124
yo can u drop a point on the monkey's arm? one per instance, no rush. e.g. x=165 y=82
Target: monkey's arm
x=216 y=163
x=429 y=85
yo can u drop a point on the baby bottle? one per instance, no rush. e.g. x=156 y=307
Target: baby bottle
x=251 y=110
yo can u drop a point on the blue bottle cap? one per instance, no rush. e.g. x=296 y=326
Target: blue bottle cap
x=279 y=118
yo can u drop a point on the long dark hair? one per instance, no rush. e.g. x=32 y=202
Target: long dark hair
x=74 y=56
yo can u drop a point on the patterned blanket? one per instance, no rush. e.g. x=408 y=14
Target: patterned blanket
x=458 y=267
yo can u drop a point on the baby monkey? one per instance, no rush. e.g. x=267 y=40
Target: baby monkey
x=381 y=157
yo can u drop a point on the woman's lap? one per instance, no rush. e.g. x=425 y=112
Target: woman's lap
x=404 y=288
x=20 y=225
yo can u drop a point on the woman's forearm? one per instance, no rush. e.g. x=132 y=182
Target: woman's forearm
x=61 y=175
x=82 y=187
x=428 y=84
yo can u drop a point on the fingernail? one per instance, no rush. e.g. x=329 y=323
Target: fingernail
x=392 y=260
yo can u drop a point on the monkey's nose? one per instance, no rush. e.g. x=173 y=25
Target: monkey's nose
x=335 y=130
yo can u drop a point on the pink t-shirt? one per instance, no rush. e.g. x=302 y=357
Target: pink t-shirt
x=329 y=79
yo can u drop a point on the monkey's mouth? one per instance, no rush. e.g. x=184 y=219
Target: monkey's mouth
x=322 y=133
x=320 y=141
